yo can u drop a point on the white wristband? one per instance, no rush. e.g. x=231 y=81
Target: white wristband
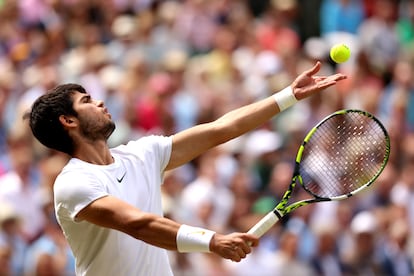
x=193 y=239
x=285 y=98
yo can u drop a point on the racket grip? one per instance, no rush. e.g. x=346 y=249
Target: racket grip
x=264 y=225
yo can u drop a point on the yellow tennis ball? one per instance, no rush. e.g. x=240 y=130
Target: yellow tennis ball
x=340 y=53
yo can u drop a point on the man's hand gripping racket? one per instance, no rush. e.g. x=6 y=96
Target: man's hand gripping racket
x=341 y=156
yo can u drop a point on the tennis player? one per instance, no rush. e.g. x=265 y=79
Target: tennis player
x=108 y=200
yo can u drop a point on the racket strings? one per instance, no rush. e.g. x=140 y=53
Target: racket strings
x=345 y=153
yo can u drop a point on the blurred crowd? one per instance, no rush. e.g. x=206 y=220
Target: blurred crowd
x=163 y=66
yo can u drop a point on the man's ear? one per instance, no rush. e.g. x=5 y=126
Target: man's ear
x=67 y=121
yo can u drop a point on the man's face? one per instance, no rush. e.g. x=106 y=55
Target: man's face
x=95 y=122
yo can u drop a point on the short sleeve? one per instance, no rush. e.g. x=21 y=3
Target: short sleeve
x=74 y=191
x=153 y=148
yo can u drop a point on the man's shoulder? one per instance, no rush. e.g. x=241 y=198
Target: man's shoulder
x=75 y=171
x=142 y=144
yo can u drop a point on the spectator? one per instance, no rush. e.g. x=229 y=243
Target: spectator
x=49 y=254
x=405 y=24
x=379 y=38
x=397 y=261
x=204 y=200
x=19 y=187
x=5 y=260
x=12 y=244
x=286 y=260
x=326 y=260
x=364 y=258
x=341 y=16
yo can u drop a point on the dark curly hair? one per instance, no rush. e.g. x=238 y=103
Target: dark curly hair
x=44 y=117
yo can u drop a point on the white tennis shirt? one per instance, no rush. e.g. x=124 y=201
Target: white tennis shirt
x=135 y=177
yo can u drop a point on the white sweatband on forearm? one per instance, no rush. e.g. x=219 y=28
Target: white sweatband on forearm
x=193 y=239
x=285 y=98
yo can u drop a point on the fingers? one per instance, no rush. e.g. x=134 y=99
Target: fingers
x=243 y=247
x=315 y=69
x=246 y=247
x=325 y=82
x=235 y=246
x=240 y=252
x=336 y=77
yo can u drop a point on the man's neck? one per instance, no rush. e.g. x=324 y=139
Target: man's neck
x=96 y=152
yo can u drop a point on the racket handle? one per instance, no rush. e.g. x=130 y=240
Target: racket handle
x=264 y=224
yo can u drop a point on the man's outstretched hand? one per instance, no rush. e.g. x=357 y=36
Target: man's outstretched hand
x=307 y=84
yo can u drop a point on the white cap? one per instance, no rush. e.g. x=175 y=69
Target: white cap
x=262 y=141
x=124 y=25
x=267 y=63
x=7 y=212
x=364 y=222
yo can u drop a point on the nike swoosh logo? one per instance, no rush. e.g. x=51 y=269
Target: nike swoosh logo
x=120 y=179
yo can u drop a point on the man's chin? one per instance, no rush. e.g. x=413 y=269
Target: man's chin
x=111 y=130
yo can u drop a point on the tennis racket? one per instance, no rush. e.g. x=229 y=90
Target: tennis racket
x=341 y=156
